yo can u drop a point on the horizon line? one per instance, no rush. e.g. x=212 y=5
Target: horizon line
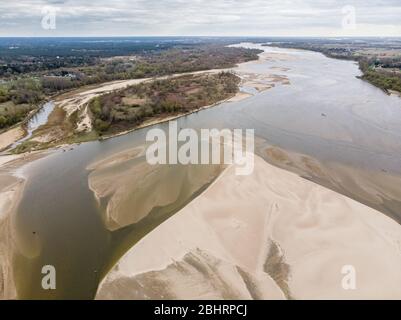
x=201 y=36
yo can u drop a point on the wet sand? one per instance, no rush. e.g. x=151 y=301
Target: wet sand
x=9 y=137
x=290 y=237
x=10 y=192
x=378 y=189
x=12 y=185
x=128 y=189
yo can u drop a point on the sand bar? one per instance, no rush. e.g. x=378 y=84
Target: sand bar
x=268 y=235
x=9 y=137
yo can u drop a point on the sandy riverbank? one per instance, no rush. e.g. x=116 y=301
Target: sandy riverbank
x=9 y=137
x=266 y=236
x=10 y=192
x=239 y=96
x=12 y=185
x=395 y=93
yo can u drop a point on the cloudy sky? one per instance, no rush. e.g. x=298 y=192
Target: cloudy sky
x=201 y=17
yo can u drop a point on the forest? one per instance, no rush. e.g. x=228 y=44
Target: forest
x=127 y=108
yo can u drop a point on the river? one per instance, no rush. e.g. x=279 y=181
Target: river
x=38 y=119
x=329 y=126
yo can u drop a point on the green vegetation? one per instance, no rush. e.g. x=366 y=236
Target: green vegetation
x=26 y=146
x=34 y=70
x=127 y=108
x=27 y=80
x=162 y=63
x=380 y=77
x=130 y=107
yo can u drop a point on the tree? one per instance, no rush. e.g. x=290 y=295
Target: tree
x=3 y=121
x=96 y=106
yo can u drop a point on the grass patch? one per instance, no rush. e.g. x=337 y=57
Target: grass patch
x=26 y=146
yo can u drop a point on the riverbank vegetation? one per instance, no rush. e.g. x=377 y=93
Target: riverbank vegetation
x=31 y=72
x=175 y=60
x=130 y=107
x=125 y=109
x=384 y=78
x=17 y=99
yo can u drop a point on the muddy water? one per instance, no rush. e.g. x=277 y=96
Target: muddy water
x=327 y=125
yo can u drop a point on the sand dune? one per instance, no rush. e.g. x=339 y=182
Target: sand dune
x=289 y=236
x=9 y=137
x=197 y=275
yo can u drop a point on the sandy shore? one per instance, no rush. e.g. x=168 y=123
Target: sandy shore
x=271 y=235
x=9 y=137
x=376 y=188
x=10 y=189
x=10 y=192
x=12 y=185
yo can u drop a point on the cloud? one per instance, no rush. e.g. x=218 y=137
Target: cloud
x=200 y=17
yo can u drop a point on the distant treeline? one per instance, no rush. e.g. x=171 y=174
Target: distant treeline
x=160 y=64
x=29 y=55
x=25 y=55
